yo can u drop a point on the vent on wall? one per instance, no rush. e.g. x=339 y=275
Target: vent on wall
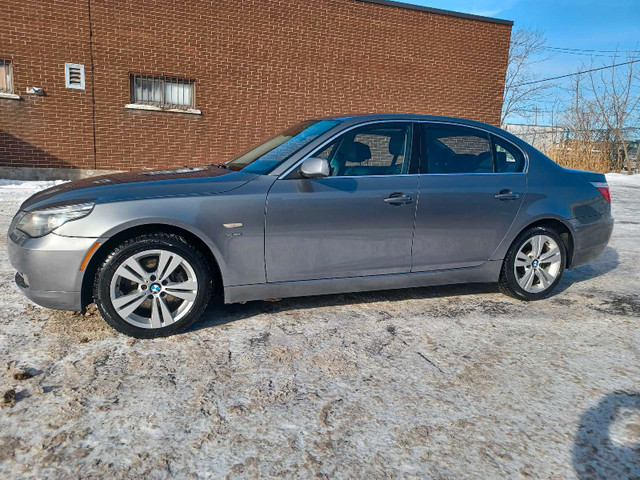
x=74 y=76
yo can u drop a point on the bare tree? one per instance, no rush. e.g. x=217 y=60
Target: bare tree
x=616 y=103
x=585 y=142
x=520 y=97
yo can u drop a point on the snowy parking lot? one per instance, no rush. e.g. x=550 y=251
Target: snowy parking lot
x=441 y=382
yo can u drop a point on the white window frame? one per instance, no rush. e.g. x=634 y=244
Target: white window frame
x=9 y=93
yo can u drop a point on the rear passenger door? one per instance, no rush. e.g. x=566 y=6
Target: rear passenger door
x=471 y=187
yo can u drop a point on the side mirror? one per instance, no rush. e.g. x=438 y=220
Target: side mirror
x=315 y=167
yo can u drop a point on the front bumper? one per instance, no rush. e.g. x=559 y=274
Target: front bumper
x=49 y=268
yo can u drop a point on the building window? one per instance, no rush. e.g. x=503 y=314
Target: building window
x=6 y=76
x=74 y=76
x=163 y=92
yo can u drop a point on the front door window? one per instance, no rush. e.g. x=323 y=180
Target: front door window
x=381 y=149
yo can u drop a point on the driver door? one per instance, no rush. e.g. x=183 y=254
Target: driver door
x=358 y=221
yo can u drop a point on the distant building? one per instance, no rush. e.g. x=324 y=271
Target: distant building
x=543 y=137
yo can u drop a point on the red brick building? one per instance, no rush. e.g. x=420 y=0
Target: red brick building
x=119 y=85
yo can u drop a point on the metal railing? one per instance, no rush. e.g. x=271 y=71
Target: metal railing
x=163 y=91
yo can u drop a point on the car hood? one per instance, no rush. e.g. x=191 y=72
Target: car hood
x=185 y=181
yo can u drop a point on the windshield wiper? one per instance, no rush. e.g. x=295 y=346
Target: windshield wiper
x=219 y=165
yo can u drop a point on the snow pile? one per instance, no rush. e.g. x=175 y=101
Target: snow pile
x=24 y=188
x=33 y=185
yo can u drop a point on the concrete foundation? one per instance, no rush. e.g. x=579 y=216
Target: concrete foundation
x=14 y=173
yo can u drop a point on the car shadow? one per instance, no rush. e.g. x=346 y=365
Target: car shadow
x=220 y=314
x=607 y=444
x=608 y=261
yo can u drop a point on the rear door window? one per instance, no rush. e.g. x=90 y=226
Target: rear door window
x=449 y=149
x=507 y=157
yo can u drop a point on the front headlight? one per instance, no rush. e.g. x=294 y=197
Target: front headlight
x=40 y=222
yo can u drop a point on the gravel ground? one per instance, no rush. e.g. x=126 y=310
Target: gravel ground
x=447 y=382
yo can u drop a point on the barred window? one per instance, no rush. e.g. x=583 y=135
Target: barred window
x=164 y=92
x=6 y=76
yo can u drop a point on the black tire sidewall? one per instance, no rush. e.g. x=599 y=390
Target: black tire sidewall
x=131 y=247
x=508 y=272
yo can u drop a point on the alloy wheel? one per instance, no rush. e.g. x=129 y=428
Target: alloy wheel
x=537 y=263
x=153 y=289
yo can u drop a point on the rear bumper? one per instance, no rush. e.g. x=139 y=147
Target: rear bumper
x=49 y=269
x=590 y=238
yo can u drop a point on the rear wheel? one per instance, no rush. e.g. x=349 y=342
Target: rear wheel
x=534 y=264
x=153 y=285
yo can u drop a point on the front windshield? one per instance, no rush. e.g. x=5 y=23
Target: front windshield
x=266 y=156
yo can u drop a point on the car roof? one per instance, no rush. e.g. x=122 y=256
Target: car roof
x=413 y=117
x=404 y=116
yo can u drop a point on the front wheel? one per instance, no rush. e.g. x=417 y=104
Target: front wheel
x=534 y=264
x=153 y=286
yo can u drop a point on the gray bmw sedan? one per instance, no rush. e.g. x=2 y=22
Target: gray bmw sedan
x=330 y=205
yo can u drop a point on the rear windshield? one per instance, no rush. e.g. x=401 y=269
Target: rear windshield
x=268 y=155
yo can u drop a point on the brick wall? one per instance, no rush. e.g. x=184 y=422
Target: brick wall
x=56 y=130
x=259 y=67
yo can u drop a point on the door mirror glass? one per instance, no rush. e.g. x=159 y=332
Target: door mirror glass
x=315 y=167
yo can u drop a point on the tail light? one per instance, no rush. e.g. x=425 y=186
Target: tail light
x=603 y=188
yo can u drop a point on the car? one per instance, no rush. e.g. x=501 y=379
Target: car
x=330 y=205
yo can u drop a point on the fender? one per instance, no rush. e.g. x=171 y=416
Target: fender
x=156 y=223
x=517 y=228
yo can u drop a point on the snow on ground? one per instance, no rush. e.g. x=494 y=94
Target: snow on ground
x=623 y=179
x=24 y=188
x=28 y=185
x=446 y=382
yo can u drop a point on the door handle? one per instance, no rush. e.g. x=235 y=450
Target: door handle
x=398 y=199
x=507 y=195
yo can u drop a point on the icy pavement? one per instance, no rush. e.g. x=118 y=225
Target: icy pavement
x=448 y=382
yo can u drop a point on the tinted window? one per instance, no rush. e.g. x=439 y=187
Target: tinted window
x=380 y=149
x=453 y=149
x=507 y=157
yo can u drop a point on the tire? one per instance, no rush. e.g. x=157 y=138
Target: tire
x=153 y=285
x=526 y=263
